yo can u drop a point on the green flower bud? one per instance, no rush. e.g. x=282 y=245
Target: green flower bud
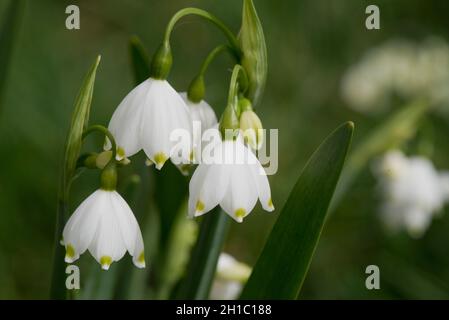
x=162 y=62
x=197 y=89
x=252 y=129
x=229 y=123
x=254 y=51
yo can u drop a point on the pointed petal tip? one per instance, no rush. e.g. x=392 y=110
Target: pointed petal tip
x=105 y=262
x=159 y=160
x=140 y=261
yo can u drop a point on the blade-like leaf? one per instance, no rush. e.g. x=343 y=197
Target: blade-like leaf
x=204 y=258
x=399 y=128
x=78 y=124
x=8 y=33
x=140 y=61
x=285 y=259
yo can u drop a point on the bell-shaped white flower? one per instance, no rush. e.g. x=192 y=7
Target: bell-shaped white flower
x=229 y=279
x=105 y=225
x=231 y=176
x=414 y=191
x=201 y=112
x=147 y=118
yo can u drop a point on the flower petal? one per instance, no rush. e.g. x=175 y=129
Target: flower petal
x=126 y=121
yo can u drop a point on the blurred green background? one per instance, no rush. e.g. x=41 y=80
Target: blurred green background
x=310 y=45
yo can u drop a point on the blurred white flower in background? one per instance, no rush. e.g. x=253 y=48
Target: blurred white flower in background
x=230 y=277
x=413 y=191
x=405 y=69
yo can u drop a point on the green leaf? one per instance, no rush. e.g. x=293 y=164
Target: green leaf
x=285 y=259
x=399 y=128
x=203 y=261
x=8 y=33
x=80 y=118
x=140 y=60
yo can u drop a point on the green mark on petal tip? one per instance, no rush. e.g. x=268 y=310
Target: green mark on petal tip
x=199 y=206
x=141 y=258
x=240 y=213
x=120 y=152
x=105 y=261
x=69 y=251
x=270 y=203
x=159 y=159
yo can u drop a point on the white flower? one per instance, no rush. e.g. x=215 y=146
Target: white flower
x=405 y=69
x=230 y=277
x=201 y=112
x=232 y=177
x=203 y=118
x=413 y=191
x=105 y=225
x=146 y=118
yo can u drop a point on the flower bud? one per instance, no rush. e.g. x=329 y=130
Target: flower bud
x=254 y=51
x=252 y=128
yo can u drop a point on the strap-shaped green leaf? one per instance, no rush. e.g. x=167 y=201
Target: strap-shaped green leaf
x=285 y=259
x=80 y=118
x=8 y=32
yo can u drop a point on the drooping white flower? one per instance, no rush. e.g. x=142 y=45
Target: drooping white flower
x=229 y=279
x=105 y=225
x=201 y=112
x=146 y=118
x=401 y=68
x=203 y=118
x=413 y=191
x=233 y=177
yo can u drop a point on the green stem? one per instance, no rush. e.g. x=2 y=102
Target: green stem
x=235 y=85
x=107 y=133
x=213 y=54
x=203 y=261
x=206 y=15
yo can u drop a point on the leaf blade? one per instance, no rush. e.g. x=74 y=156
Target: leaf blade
x=285 y=259
x=78 y=124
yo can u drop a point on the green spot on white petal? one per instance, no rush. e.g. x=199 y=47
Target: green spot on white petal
x=69 y=252
x=120 y=153
x=105 y=262
x=159 y=159
x=270 y=203
x=141 y=258
x=199 y=206
x=240 y=213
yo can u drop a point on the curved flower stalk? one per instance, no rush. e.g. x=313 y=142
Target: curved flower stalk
x=414 y=191
x=104 y=223
x=230 y=278
x=146 y=118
